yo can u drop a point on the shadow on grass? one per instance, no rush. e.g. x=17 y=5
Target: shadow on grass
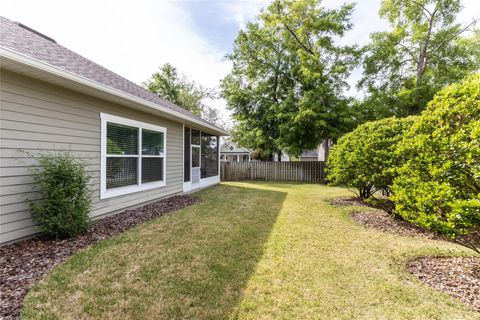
x=192 y=264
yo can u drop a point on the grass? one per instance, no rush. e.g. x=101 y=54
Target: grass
x=249 y=251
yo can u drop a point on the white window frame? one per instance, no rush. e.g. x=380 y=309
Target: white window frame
x=114 y=192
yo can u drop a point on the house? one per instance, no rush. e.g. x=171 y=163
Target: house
x=318 y=154
x=231 y=152
x=309 y=155
x=138 y=146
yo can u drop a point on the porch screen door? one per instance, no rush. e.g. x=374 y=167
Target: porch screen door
x=195 y=164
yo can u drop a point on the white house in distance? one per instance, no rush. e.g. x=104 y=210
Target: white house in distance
x=231 y=152
x=318 y=154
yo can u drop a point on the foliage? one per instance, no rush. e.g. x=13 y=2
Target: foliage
x=285 y=87
x=364 y=159
x=65 y=205
x=423 y=52
x=439 y=186
x=183 y=92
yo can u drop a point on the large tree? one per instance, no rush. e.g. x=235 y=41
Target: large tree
x=285 y=88
x=424 y=51
x=186 y=93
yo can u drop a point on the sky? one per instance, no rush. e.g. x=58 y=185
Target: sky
x=134 y=38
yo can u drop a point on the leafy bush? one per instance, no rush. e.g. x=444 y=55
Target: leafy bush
x=65 y=205
x=364 y=159
x=438 y=188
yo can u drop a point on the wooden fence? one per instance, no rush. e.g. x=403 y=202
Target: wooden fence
x=300 y=171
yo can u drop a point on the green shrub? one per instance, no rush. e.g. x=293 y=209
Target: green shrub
x=364 y=159
x=438 y=188
x=63 y=183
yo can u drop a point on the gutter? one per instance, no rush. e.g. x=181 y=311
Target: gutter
x=56 y=71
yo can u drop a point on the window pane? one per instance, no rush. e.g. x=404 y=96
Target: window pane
x=209 y=156
x=121 y=139
x=195 y=157
x=152 y=169
x=195 y=137
x=186 y=156
x=152 y=142
x=121 y=172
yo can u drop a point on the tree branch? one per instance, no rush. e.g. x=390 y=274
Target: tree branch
x=454 y=36
x=310 y=51
x=424 y=8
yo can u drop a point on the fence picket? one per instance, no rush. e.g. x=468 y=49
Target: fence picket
x=299 y=171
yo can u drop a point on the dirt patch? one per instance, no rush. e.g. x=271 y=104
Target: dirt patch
x=457 y=276
x=381 y=220
x=352 y=201
x=23 y=263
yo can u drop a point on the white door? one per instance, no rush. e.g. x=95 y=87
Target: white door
x=195 y=164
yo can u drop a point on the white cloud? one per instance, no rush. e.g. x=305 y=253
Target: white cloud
x=242 y=11
x=130 y=38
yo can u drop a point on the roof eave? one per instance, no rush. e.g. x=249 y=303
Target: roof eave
x=58 y=72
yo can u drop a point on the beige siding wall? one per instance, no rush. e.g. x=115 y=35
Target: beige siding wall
x=37 y=117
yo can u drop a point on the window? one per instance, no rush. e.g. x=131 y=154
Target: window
x=133 y=156
x=209 y=162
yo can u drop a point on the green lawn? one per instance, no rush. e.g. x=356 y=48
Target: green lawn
x=249 y=251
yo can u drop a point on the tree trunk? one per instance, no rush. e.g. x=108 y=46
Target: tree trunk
x=422 y=63
x=279 y=155
x=326 y=147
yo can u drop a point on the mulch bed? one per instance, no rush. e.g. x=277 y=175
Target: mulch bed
x=457 y=276
x=23 y=263
x=382 y=221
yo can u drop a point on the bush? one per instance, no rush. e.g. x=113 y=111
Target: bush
x=65 y=205
x=364 y=159
x=438 y=188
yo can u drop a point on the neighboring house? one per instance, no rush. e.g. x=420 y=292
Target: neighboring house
x=231 y=152
x=309 y=155
x=138 y=146
x=319 y=154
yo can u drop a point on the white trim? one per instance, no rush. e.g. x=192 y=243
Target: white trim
x=183 y=153
x=108 y=193
x=40 y=65
x=218 y=154
x=206 y=182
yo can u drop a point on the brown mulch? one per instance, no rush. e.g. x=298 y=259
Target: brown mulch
x=382 y=221
x=457 y=276
x=23 y=263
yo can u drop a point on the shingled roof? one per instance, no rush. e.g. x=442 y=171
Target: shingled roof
x=26 y=41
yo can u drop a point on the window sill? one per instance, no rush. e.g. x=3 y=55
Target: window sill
x=115 y=192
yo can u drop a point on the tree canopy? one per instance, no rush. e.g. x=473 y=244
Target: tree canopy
x=424 y=51
x=178 y=89
x=286 y=86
